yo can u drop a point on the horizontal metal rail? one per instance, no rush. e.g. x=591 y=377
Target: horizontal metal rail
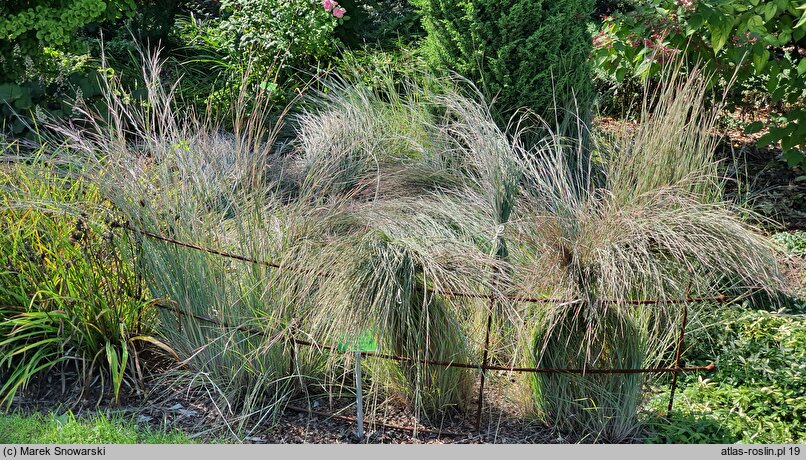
x=431 y=362
x=484 y=365
x=446 y=292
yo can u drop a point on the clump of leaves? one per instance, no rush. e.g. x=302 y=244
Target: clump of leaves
x=70 y=296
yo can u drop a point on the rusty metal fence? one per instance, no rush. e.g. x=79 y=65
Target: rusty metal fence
x=484 y=365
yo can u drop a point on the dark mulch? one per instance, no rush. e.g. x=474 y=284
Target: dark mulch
x=324 y=419
x=313 y=419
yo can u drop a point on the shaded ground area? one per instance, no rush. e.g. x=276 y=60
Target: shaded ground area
x=773 y=189
x=312 y=420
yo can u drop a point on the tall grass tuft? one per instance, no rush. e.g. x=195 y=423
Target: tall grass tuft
x=651 y=226
x=382 y=165
x=175 y=173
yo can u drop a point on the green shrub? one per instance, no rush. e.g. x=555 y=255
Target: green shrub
x=283 y=33
x=153 y=21
x=380 y=23
x=32 y=32
x=49 y=57
x=524 y=53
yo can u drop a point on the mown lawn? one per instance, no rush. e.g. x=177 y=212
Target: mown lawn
x=37 y=428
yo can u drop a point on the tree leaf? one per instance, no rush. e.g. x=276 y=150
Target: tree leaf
x=9 y=92
x=621 y=73
x=760 y=60
x=756 y=23
x=695 y=22
x=793 y=158
x=769 y=138
x=720 y=31
x=802 y=20
x=769 y=11
x=753 y=127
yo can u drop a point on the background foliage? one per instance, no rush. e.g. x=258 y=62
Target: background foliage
x=757 y=394
x=524 y=53
x=758 y=43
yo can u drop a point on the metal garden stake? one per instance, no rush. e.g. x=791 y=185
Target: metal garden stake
x=359 y=410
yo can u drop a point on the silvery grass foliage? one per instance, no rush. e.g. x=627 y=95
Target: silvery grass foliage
x=176 y=174
x=392 y=197
x=649 y=225
x=391 y=165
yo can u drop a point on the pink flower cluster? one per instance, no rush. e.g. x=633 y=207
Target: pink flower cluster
x=332 y=6
x=687 y=4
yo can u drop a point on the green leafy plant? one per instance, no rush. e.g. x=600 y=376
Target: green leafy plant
x=46 y=59
x=70 y=298
x=757 y=392
x=794 y=242
x=281 y=33
x=750 y=41
x=34 y=31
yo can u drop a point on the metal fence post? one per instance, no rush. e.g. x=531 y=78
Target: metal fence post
x=484 y=362
x=678 y=354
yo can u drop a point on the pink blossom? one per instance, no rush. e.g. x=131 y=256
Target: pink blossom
x=328 y=4
x=339 y=12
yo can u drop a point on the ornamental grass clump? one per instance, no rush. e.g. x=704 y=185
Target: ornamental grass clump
x=385 y=164
x=176 y=174
x=650 y=224
x=391 y=200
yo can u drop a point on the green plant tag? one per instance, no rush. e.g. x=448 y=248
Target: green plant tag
x=361 y=343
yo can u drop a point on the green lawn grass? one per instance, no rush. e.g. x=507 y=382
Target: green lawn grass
x=19 y=428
